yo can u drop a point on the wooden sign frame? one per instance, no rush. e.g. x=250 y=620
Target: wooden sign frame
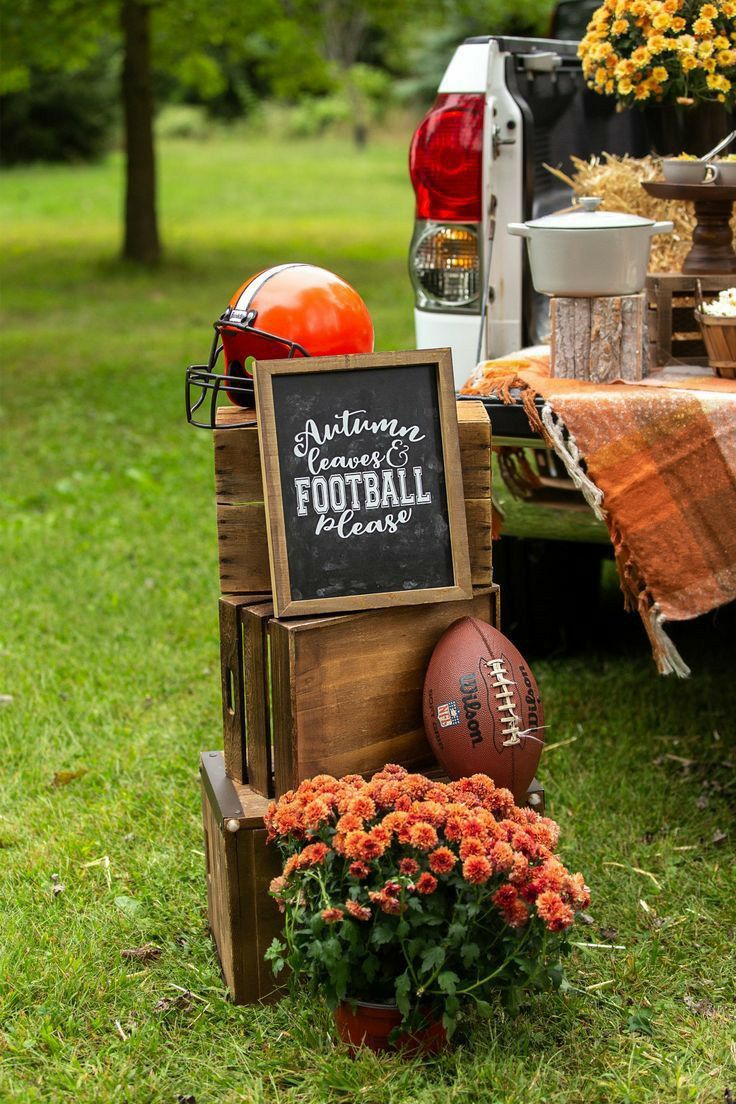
x=284 y=601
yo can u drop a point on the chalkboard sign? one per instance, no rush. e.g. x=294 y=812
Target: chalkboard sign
x=362 y=481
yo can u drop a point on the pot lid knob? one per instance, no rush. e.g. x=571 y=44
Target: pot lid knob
x=590 y=203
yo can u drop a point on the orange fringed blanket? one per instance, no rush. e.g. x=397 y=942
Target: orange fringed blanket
x=656 y=461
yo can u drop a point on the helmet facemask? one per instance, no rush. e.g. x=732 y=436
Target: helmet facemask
x=242 y=344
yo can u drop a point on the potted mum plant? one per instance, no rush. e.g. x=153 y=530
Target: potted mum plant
x=675 y=58
x=408 y=902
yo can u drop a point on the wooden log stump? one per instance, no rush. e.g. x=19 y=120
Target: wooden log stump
x=599 y=339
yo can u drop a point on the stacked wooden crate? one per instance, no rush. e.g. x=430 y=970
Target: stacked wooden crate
x=330 y=694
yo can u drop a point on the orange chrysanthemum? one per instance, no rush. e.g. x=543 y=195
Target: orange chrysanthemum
x=442 y=860
x=477 y=869
x=554 y=912
x=472 y=845
x=426 y=883
x=332 y=915
x=423 y=836
x=362 y=806
x=358 y=911
x=502 y=856
x=354 y=841
x=577 y=891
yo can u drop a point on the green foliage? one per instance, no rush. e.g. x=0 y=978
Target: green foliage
x=60 y=116
x=184 y=121
x=313 y=115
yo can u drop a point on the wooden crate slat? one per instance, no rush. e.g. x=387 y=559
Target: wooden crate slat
x=257 y=712
x=234 y=720
x=243 y=918
x=241 y=533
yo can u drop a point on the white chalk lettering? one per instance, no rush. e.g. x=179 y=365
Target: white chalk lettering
x=302 y=495
x=422 y=496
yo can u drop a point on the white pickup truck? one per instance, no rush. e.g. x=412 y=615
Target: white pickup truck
x=506 y=108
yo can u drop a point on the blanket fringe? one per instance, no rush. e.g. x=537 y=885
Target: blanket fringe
x=668 y=659
x=566 y=448
x=637 y=596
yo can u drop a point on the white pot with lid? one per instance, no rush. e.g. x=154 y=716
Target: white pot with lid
x=588 y=252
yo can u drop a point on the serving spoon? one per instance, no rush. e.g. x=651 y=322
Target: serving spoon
x=721 y=146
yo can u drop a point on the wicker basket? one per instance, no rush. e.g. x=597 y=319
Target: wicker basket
x=719 y=335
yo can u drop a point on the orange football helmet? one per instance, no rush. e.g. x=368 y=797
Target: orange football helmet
x=291 y=310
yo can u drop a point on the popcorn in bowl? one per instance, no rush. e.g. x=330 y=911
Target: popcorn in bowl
x=724 y=306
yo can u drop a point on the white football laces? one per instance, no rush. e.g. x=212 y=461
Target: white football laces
x=504 y=687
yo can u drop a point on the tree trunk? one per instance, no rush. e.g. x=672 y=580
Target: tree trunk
x=141 y=241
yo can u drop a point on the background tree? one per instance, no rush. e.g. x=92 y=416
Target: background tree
x=182 y=38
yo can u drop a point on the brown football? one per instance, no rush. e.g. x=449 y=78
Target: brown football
x=482 y=710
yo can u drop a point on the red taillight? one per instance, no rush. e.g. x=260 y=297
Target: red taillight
x=445 y=159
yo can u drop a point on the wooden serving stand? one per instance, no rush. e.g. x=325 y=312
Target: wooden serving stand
x=712 y=250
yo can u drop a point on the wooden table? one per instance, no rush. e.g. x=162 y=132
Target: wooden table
x=712 y=249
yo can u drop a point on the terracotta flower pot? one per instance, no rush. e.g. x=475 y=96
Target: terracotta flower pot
x=371 y=1024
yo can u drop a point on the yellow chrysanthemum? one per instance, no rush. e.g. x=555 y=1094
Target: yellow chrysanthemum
x=686 y=42
x=688 y=62
x=710 y=65
x=641 y=93
x=678 y=24
x=703 y=27
x=662 y=21
x=619 y=27
x=705 y=49
x=726 y=58
x=671 y=6
x=658 y=44
x=709 y=11
x=641 y=56
x=717 y=82
x=625 y=86
x=659 y=74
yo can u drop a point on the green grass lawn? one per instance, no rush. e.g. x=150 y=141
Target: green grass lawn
x=108 y=646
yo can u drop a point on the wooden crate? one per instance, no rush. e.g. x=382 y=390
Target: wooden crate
x=241 y=517
x=242 y=917
x=384 y=713
x=347 y=689
x=674 y=334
